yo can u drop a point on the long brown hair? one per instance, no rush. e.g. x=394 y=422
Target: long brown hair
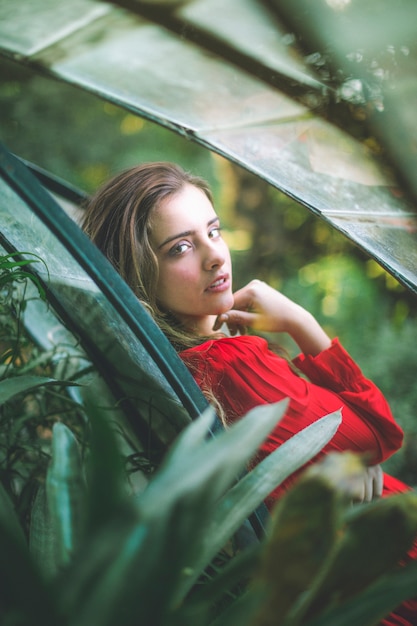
x=118 y=221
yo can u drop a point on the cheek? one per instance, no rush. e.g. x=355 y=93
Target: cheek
x=178 y=272
x=175 y=280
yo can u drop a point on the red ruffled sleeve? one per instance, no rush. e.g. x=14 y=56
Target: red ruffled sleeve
x=241 y=372
x=335 y=370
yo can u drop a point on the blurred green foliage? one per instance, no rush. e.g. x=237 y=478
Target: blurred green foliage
x=85 y=140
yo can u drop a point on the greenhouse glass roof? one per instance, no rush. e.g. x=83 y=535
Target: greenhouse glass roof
x=317 y=98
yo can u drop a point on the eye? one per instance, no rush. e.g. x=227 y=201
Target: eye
x=179 y=248
x=215 y=232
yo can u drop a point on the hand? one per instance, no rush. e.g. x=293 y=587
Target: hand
x=373 y=482
x=262 y=308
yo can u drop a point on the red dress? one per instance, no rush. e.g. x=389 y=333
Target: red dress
x=242 y=372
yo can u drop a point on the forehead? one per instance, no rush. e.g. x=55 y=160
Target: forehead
x=188 y=209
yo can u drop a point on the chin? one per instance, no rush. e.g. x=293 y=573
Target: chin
x=224 y=309
x=227 y=304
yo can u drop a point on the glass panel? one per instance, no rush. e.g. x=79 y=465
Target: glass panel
x=145 y=67
x=391 y=240
x=108 y=340
x=246 y=25
x=335 y=177
x=27 y=26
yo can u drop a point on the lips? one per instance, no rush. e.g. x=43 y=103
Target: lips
x=219 y=284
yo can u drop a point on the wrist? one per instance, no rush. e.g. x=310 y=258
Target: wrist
x=308 y=334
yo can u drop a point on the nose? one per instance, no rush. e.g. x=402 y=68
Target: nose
x=214 y=255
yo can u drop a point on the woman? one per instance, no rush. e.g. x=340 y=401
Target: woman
x=157 y=225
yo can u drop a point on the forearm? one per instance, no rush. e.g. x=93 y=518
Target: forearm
x=307 y=333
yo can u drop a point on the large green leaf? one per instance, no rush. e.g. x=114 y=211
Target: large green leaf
x=148 y=565
x=302 y=534
x=134 y=567
x=316 y=562
x=372 y=543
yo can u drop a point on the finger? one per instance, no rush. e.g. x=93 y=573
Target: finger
x=236 y=330
x=379 y=481
x=360 y=495
x=235 y=320
x=368 y=488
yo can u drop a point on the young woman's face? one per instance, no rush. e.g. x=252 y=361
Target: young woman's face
x=195 y=273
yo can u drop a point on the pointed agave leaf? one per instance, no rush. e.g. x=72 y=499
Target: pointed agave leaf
x=146 y=569
x=245 y=496
x=143 y=567
x=215 y=463
x=191 y=437
x=65 y=490
x=251 y=490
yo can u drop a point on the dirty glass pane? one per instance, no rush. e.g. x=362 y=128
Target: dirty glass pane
x=108 y=340
x=146 y=67
x=27 y=28
x=336 y=178
x=247 y=26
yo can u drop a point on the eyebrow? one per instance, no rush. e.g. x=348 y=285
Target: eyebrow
x=185 y=233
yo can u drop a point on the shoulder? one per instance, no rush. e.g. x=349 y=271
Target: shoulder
x=226 y=347
x=226 y=360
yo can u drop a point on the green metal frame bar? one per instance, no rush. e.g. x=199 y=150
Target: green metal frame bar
x=106 y=277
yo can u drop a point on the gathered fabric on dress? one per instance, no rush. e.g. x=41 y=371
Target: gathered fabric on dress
x=242 y=373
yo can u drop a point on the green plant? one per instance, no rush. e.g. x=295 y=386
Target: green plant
x=115 y=559
x=32 y=398
x=103 y=557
